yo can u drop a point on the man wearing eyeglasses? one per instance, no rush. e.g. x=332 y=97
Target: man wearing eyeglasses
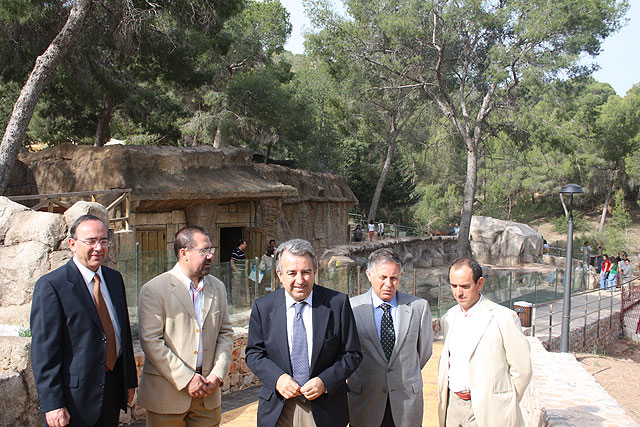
x=187 y=338
x=81 y=350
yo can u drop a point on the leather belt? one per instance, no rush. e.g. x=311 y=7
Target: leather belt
x=464 y=395
x=199 y=370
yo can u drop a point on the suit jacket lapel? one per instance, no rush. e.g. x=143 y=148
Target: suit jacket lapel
x=481 y=320
x=182 y=294
x=320 y=320
x=364 y=317
x=278 y=321
x=207 y=299
x=79 y=288
x=403 y=317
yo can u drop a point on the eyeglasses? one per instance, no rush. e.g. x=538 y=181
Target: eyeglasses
x=203 y=252
x=93 y=242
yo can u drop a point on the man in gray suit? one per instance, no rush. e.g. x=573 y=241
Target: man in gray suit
x=396 y=338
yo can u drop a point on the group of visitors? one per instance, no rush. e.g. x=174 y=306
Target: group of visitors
x=373 y=229
x=615 y=270
x=323 y=359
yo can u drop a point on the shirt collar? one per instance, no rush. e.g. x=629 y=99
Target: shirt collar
x=185 y=280
x=376 y=300
x=472 y=310
x=289 y=301
x=86 y=273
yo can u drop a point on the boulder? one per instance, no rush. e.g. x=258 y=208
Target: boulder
x=19 y=403
x=504 y=243
x=86 y=208
x=20 y=266
x=32 y=226
x=7 y=209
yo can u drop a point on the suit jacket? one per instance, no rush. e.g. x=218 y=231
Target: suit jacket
x=69 y=346
x=499 y=368
x=399 y=378
x=169 y=336
x=335 y=355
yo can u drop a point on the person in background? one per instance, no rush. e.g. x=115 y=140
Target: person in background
x=372 y=229
x=266 y=264
x=545 y=247
x=381 y=230
x=613 y=274
x=586 y=255
x=626 y=270
x=598 y=259
x=238 y=263
x=604 y=273
x=272 y=244
x=357 y=234
x=456 y=229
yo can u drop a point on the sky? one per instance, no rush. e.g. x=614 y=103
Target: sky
x=619 y=60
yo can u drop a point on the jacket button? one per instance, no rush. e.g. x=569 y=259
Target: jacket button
x=102 y=362
x=101 y=385
x=104 y=340
x=195 y=352
x=197 y=331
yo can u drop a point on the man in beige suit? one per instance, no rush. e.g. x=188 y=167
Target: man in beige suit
x=485 y=365
x=187 y=338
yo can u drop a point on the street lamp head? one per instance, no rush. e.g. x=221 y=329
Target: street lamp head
x=571 y=189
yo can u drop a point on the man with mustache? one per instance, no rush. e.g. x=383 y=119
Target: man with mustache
x=187 y=338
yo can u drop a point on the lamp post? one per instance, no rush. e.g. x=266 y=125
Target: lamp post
x=569 y=189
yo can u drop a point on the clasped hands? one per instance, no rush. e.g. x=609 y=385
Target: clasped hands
x=200 y=386
x=289 y=388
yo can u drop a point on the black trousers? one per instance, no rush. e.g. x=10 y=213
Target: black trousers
x=387 y=420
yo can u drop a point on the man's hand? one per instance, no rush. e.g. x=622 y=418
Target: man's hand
x=58 y=417
x=130 y=394
x=313 y=389
x=198 y=386
x=214 y=382
x=287 y=387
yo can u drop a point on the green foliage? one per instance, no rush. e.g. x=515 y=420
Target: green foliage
x=561 y=224
x=24 y=332
x=436 y=209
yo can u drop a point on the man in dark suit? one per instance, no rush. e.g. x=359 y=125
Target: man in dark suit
x=81 y=349
x=303 y=345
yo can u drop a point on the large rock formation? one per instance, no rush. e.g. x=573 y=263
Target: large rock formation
x=504 y=243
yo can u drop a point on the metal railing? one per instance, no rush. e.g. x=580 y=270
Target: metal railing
x=603 y=300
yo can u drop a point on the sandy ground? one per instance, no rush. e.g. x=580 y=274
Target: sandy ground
x=617 y=370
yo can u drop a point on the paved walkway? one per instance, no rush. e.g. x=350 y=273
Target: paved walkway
x=239 y=409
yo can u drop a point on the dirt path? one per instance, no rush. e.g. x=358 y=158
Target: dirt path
x=617 y=370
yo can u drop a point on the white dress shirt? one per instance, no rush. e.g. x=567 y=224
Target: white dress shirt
x=461 y=342
x=198 y=303
x=88 y=275
x=307 y=319
x=378 y=312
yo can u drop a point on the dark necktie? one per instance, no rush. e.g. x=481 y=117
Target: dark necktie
x=107 y=326
x=387 y=333
x=299 y=349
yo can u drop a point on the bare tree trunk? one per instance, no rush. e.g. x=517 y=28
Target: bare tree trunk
x=102 y=130
x=25 y=105
x=383 y=177
x=605 y=206
x=464 y=246
x=564 y=206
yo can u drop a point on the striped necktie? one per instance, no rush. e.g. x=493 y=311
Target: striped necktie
x=299 y=349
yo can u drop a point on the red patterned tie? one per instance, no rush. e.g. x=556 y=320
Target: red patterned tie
x=107 y=326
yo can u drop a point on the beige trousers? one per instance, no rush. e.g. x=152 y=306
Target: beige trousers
x=296 y=414
x=459 y=412
x=196 y=416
